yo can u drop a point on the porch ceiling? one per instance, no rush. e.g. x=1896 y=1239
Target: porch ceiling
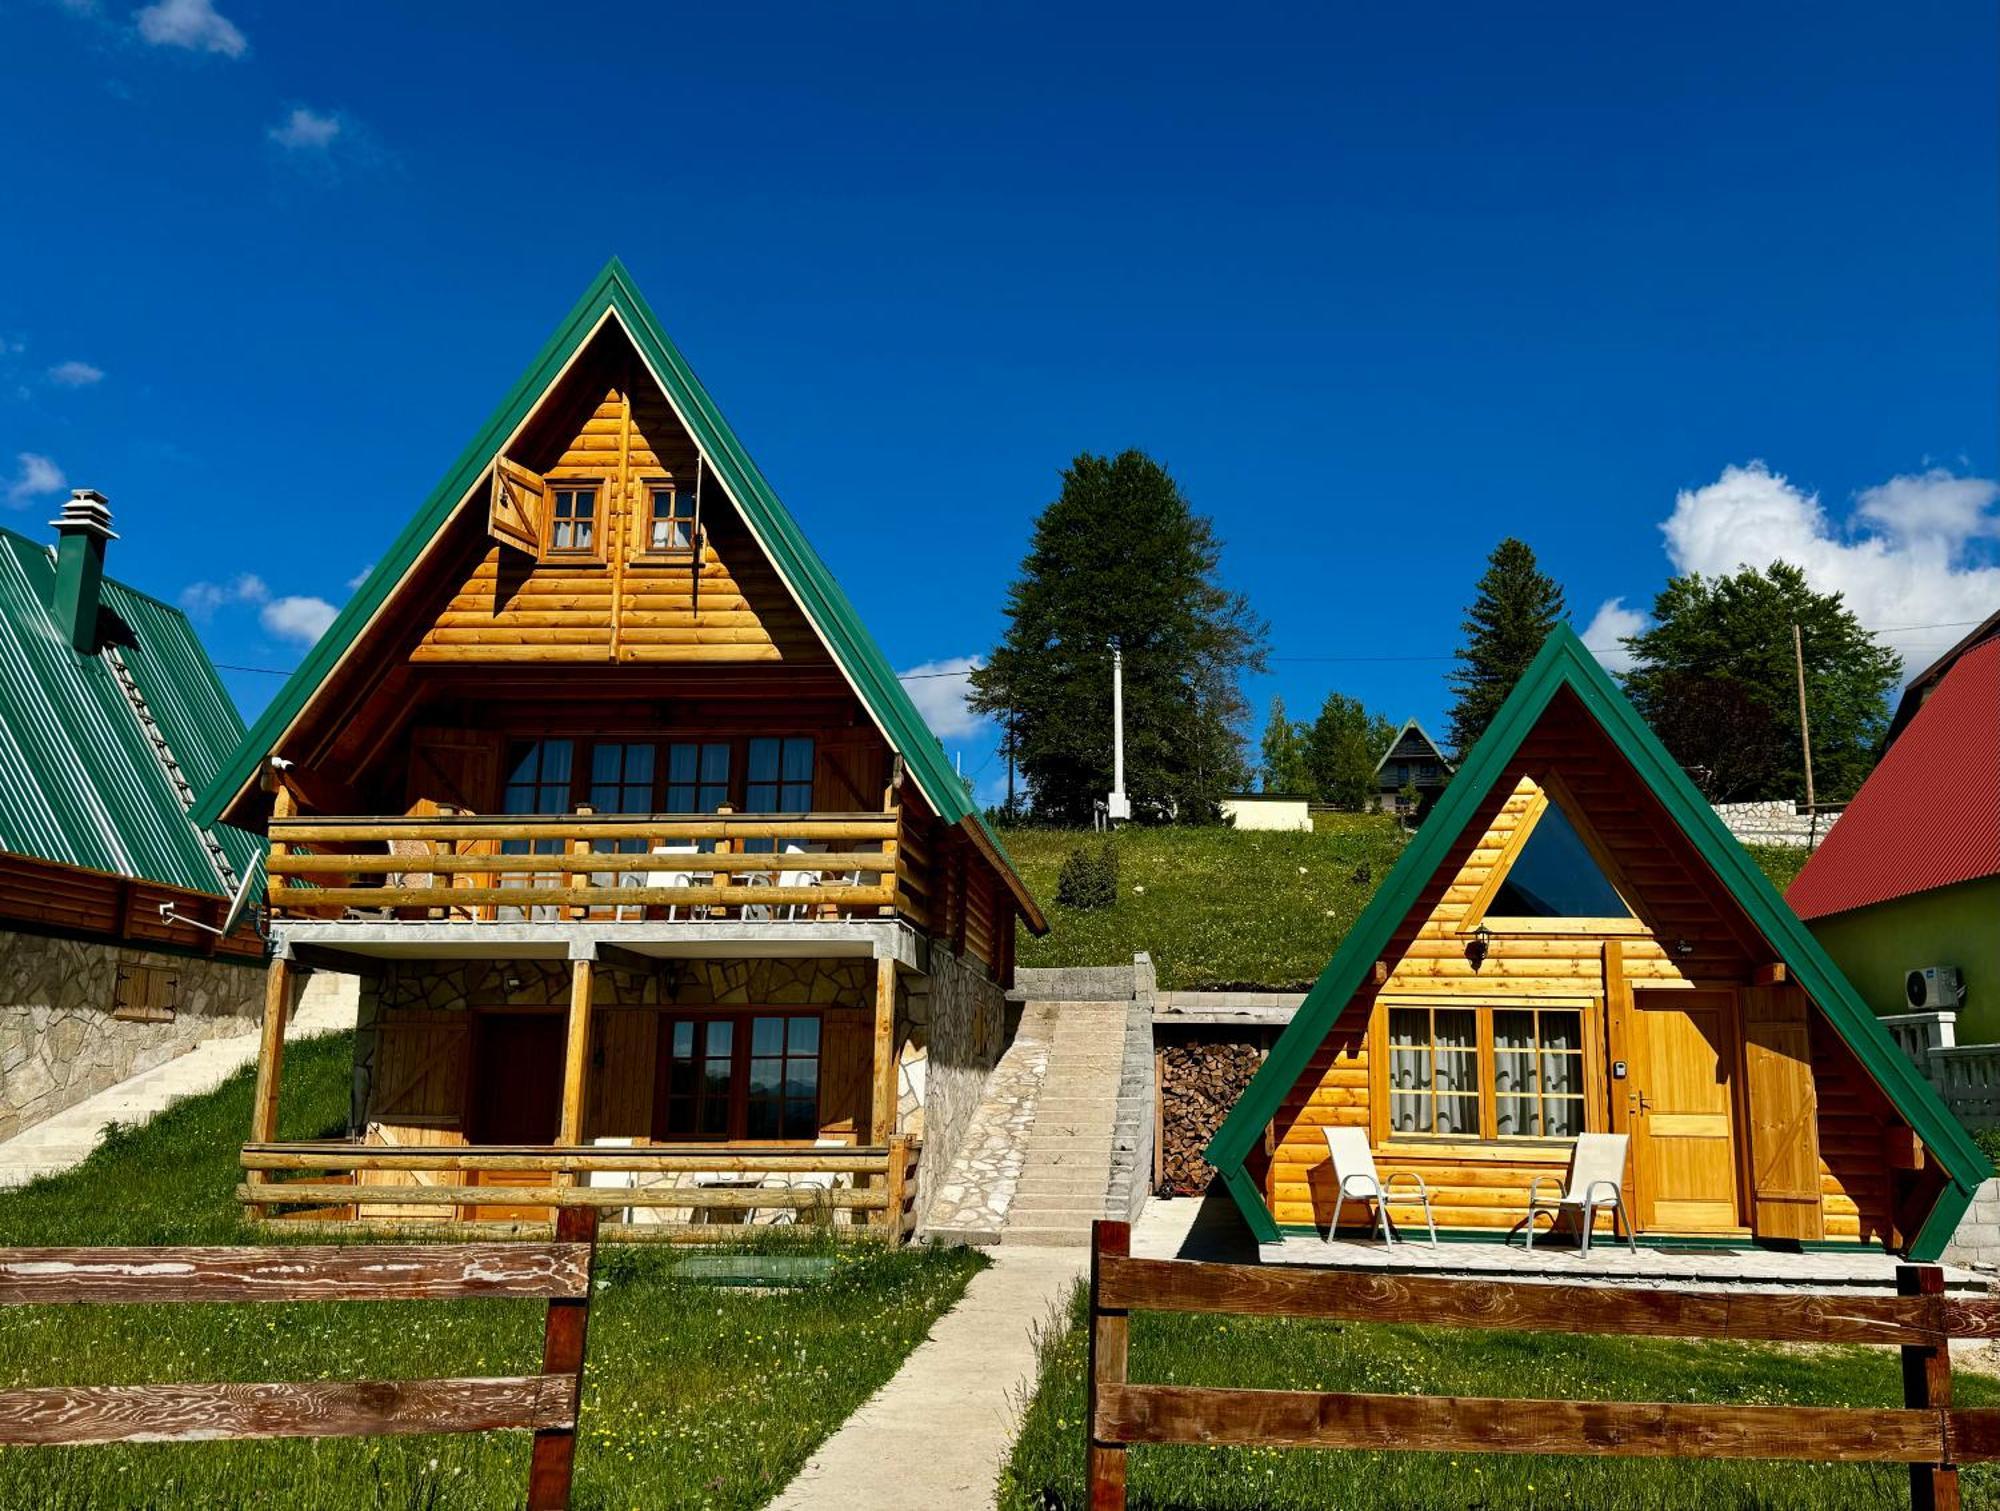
x=721 y=939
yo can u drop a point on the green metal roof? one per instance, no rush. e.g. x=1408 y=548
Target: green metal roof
x=812 y=585
x=1563 y=662
x=80 y=780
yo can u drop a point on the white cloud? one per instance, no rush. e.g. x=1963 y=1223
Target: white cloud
x=939 y=688
x=1915 y=554
x=299 y=618
x=37 y=477
x=305 y=131
x=1607 y=628
x=360 y=577
x=74 y=374
x=202 y=599
x=193 y=24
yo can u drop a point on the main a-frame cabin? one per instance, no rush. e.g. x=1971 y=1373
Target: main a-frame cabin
x=653 y=875
x=1573 y=943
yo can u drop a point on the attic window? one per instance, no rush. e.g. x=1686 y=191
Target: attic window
x=1554 y=876
x=670 y=521
x=572 y=519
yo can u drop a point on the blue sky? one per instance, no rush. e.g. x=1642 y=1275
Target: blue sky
x=1379 y=285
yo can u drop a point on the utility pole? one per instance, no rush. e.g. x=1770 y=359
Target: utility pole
x=1805 y=733
x=1008 y=736
x=1118 y=806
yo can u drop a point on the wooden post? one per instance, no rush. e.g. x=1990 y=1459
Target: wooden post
x=1109 y=1340
x=897 y=1188
x=554 y=1459
x=578 y=911
x=1927 y=1385
x=271 y=1050
x=721 y=879
x=882 y=1121
x=576 y=1050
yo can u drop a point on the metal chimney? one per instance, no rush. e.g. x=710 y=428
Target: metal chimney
x=84 y=528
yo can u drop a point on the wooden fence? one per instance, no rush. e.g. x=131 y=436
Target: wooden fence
x=1926 y=1432
x=544 y=1404
x=332 y=1183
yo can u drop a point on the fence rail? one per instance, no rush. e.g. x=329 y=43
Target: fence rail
x=601 y=867
x=544 y=1404
x=332 y=1175
x=1926 y=1432
x=1967 y=1076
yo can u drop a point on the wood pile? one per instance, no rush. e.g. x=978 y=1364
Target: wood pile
x=1200 y=1080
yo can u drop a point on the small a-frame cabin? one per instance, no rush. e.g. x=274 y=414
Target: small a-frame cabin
x=653 y=875
x=1573 y=943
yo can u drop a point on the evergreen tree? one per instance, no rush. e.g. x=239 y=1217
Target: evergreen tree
x=1716 y=678
x=1516 y=607
x=1284 y=751
x=1343 y=748
x=1119 y=556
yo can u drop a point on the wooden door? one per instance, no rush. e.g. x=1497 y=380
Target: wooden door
x=516 y=1098
x=1683 y=1110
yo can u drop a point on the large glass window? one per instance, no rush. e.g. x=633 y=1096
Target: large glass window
x=538 y=781
x=780 y=775
x=749 y=1077
x=1485 y=1072
x=697 y=776
x=1554 y=875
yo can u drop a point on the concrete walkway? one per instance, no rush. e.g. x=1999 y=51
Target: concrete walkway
x=57 y=1143
x=934 y=1437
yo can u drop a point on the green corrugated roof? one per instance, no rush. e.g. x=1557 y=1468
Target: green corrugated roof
x=821 y=598
x=80 y=782
x=1563 y=662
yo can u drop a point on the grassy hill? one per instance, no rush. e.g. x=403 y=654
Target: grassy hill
x=1216 y=908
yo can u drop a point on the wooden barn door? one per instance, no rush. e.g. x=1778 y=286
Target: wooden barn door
x=1683 y=1110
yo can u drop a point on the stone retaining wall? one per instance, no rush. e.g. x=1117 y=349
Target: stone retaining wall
x=1774 y=821
x=1075 y=983
x=59 y=1042
x=949 y=1029
x=1134 y=1121
x=1977 y=1241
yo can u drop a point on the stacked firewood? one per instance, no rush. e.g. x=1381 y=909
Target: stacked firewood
x=1199 y=1082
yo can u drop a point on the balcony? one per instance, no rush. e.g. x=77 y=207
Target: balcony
x=597 y=868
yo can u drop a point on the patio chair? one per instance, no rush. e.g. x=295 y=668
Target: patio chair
x=615 y=1180
x=680 y=878
x=822 y=1181
x=1596 y=1183
x=1354 y=1169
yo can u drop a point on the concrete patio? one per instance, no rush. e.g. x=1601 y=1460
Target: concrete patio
x=1209 y=1228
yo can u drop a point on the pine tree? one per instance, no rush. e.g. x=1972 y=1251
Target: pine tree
x=1284 y=752
x=1119 y=556
x=1516 y=607
x=1716 y=678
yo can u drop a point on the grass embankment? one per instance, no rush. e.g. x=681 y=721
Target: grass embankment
x=694 y=1396
x=1214 y=907
x=1045 y=1472
x=1217 y=908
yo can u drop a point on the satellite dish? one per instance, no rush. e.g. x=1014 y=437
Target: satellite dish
x=238 y=906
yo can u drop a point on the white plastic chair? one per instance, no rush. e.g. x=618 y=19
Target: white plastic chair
x=1596 y=1184
x=810 y=1180
x=679 y=878
x=1354 y=1169
x=613 y=1180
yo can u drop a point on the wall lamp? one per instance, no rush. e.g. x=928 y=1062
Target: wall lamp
x=1481 y=943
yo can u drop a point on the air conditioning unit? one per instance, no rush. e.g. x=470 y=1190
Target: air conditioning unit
x=1934 y=987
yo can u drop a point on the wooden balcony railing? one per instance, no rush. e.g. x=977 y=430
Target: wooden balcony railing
x=596 y=867
x=654 y=1191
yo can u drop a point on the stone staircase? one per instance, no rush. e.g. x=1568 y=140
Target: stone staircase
x=55 y=1144
x=1066 y=1155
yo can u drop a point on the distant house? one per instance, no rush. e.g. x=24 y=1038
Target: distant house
x=110 y=717
x=1413 y=759
x=1911 y=877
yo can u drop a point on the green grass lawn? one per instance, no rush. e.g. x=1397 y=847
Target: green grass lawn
x=694 y=1395
x=1045 y=1472
x=1216 y=908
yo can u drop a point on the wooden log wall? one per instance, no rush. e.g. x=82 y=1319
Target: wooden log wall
x=54 y=898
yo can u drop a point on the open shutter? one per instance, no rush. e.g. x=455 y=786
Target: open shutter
x=1784 y=1113
x=514 y=517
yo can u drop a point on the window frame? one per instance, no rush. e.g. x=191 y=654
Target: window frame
x=646 y=550
x=736 y=785
x=1486 y=1142
x=736 y=1120
x=594 y=553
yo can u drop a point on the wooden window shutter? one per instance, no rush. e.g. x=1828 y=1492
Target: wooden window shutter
x=514 y=516
x=145 y=993
x=1784 y=1113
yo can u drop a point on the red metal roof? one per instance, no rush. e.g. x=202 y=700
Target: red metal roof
x=1929 y=815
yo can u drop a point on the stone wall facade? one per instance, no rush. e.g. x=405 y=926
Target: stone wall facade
x=949 y=1031
x=1977 y=1241
x=60 y=1043
x=1774 y=821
